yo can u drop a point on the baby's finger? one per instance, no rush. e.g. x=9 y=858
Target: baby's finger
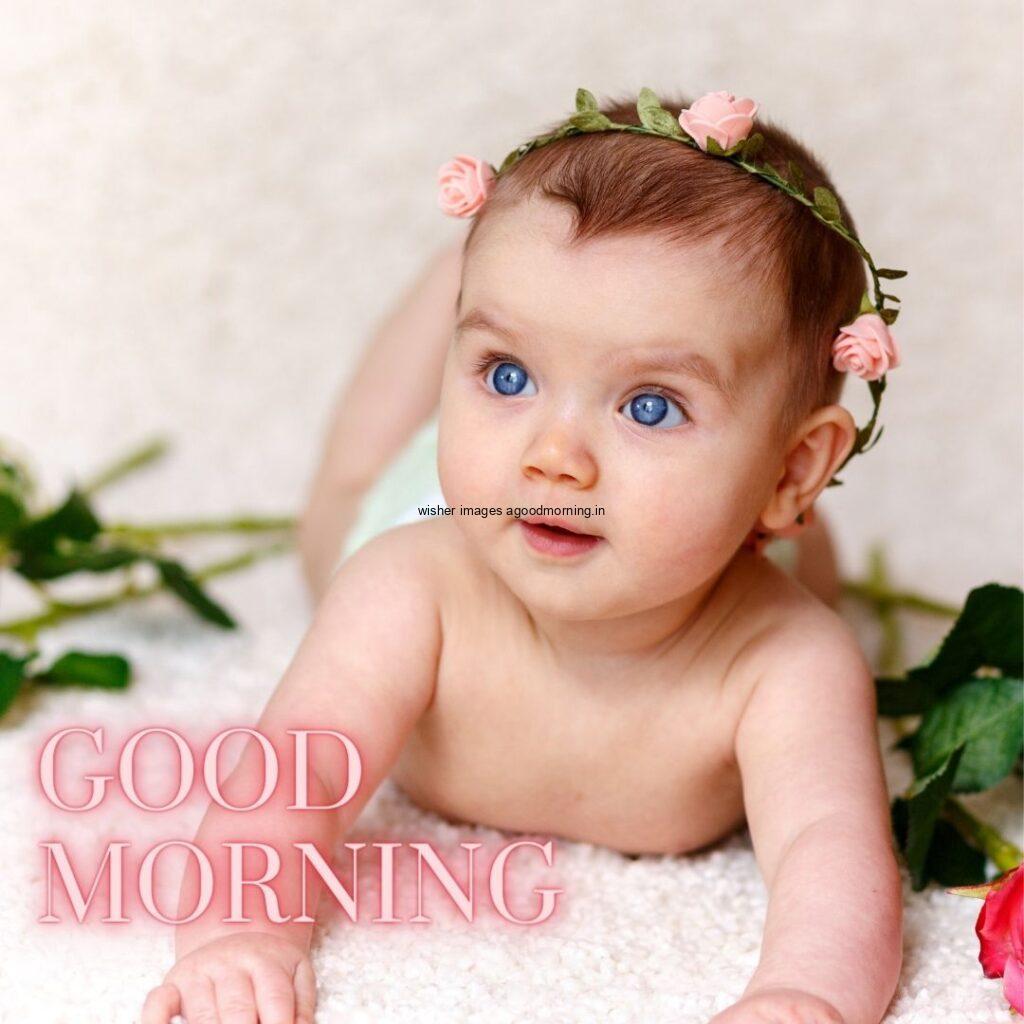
x=198 y=1005
x=305 y=992
x=275 y=996
x=162 y=1003
x=236 y=1002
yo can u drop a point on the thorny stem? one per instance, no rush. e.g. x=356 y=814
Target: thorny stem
x=185 y=527
x=1000 y=850
x=59 y=611
x=134 y=459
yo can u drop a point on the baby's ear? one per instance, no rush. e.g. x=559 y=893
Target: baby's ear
x=816 y=450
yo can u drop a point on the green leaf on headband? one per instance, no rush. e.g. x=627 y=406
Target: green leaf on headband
x=796 y=177
x=655 y=117
x=984 y=715
x=878 y=437
x=585 y=101
x=889 y=315
x=886 y=272
x=827 y=205
x=590 y=121
x=752 y=146
x=713 y=147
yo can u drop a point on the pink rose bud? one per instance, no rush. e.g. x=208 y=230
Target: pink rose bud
x=720 y=115
x=866 y=347
x=463 y=185
x=1000 y=930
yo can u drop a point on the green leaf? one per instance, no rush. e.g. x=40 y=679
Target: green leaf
x=50 y=565
x=15 y=492
x=88 y=668
x=891 y=274
x=889 y=315
x=796 y=176
x=951 y=860
x=74 y=519
x=585 y=101
x=12 y=674
x=752 y=146
x=12 y=513
x=827 y=205
x=897 y=697
x=905 y=742
x=986 y=717
x=986 y=633
x=715 y=149
x=590 y=121
x=517 y=154
x=654 y=117
x=924 y=802
x=177 y=579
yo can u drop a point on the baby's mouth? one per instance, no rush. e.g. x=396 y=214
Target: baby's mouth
x=552 y=537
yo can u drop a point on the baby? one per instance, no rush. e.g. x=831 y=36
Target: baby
x=643 y=331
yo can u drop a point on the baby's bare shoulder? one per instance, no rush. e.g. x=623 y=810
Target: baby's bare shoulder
x=790 y=626
x=425 y=554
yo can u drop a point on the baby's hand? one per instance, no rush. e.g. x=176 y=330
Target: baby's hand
x=779 y=1006
x=232 y=979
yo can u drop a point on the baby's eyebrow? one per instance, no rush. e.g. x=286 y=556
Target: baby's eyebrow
x=652 y=358
x=672 y=359
x=477 y=319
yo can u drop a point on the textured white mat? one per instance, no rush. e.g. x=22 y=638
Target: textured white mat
x=654 y=939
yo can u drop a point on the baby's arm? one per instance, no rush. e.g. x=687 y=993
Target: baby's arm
x=366 y=669
x=818 y=811
x=393 y=390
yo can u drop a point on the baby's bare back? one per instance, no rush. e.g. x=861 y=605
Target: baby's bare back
x=636 y=755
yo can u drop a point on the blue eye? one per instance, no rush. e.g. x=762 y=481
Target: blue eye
x=653 y=410
x=510 y=379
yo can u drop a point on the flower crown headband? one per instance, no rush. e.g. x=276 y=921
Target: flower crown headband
x=720 y=125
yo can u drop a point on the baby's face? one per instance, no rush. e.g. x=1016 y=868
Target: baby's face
x=624 y=374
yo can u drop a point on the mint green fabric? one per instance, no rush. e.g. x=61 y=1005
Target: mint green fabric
x=411 y=480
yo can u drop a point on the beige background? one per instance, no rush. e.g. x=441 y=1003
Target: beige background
x=205 y=207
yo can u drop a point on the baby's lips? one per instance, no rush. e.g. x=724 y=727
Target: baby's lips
x=563 y=523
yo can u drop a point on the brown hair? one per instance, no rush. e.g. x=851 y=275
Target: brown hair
x=688 y=196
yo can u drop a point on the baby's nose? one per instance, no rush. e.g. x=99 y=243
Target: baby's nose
x=557 y=455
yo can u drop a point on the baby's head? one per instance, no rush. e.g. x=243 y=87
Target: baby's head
x=645 y=329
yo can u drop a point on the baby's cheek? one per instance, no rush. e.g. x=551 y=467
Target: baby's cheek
x=677 y=530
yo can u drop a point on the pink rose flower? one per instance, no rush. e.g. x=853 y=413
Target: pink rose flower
x=866 y=347
x=463 y=185
x=1000 y=929
x=720 y=115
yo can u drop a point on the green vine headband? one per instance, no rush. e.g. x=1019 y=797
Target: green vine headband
x=720 y=125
